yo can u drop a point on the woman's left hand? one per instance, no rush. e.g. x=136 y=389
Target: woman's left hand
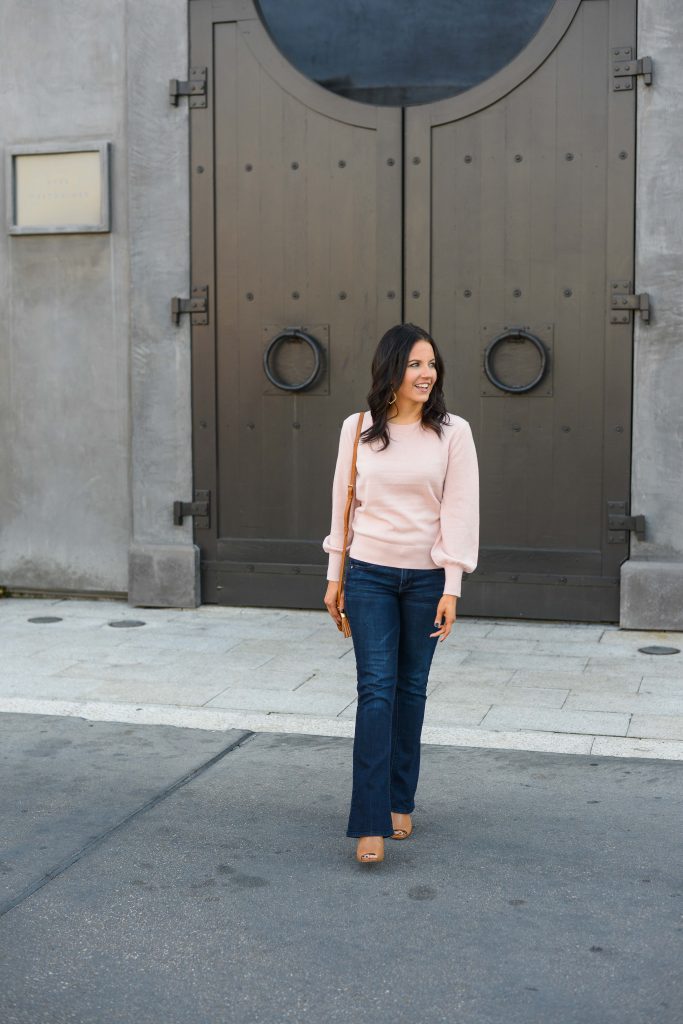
x=445 y=613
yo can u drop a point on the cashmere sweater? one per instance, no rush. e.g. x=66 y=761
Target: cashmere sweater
x=416 y=504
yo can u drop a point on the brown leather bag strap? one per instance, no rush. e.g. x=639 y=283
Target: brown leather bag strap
x=347 y=512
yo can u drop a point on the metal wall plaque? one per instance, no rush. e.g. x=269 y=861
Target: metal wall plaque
x=58 y=189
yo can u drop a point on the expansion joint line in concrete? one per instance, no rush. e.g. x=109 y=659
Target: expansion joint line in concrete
x=88 y=847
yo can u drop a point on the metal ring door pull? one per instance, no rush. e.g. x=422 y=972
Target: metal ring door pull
x=293 y=334
x=515 y=334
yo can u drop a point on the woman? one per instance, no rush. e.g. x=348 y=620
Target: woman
x=413 y=530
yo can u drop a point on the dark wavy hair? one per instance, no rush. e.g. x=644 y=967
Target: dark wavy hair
x=388 y=369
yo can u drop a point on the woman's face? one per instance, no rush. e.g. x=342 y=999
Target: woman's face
x=420 y=375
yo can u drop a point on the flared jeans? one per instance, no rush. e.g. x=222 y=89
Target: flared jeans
x=391 y=612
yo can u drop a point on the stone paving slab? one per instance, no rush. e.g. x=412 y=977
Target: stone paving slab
x=584 y=649
x=493 y=682
x=260 y=674
x=443 y=671
x=268 y=700
x=664 y=687
x=634 y=703
x=560 y=632
x=525 y=660
x=550 y=720
x=655 y=666
x=578 y=682
x=456 y=691
x=663 y=727
x=45 y=687
x=456 y=714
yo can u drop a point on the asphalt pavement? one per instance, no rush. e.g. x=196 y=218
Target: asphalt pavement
x=158 y=874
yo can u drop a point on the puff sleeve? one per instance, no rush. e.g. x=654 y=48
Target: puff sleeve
x=456 y=548
x=334 y=542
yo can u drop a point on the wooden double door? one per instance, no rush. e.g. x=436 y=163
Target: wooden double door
x=501 y=220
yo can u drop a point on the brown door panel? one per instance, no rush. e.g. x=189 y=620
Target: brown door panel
x=519 y=214
x=307 y=215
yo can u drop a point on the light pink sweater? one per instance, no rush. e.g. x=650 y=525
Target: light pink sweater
x=416 y=504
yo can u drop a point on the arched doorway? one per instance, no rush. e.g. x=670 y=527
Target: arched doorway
x=500 y=218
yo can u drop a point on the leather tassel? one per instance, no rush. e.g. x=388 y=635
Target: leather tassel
x=345 y=626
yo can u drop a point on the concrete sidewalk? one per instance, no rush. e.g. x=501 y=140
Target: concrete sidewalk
x=575 y=688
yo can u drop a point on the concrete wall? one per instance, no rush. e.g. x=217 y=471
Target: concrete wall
x=652 y=580
x=95 y=404
x=64 y=433
x=94 y=378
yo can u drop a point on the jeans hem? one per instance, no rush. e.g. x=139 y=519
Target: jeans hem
x=367 y=832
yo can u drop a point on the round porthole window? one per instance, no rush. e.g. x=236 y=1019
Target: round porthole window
x=398 y=52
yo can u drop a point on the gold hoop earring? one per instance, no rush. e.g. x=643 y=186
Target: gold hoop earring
x=393 y=399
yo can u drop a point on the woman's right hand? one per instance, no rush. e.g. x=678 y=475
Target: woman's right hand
x=331 y=601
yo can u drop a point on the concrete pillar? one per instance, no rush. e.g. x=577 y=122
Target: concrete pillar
x=163 y=561
x=652 y=579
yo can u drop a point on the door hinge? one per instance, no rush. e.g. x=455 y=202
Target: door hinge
x=619 y=523
x=624 y=300
x=197 y=306
x=200 y=508
x=625 y=68
x=195 y=88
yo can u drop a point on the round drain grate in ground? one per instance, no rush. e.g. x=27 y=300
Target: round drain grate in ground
x=127 y=623
x=659 y=650
x=46 y=618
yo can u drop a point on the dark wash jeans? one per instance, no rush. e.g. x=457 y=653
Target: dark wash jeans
x=391 y=612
